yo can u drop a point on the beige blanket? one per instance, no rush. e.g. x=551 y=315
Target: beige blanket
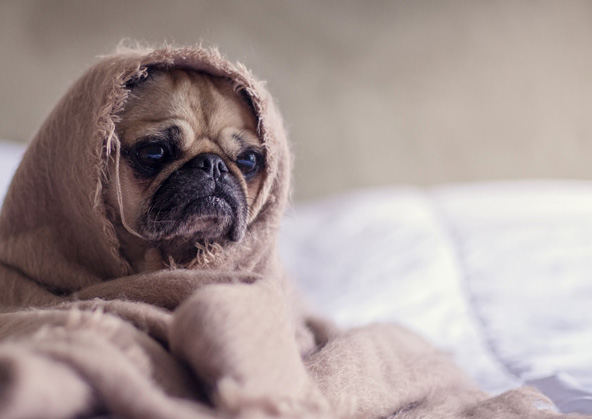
x=82 y=334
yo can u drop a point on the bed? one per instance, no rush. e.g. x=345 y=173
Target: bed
x=498 y=274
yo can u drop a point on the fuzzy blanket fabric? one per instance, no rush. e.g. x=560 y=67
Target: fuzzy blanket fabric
x=82 y=334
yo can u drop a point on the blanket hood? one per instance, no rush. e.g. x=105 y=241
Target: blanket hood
x=55 y=230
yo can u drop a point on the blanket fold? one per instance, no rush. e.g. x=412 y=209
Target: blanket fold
x=223 y=336
x=248 y=356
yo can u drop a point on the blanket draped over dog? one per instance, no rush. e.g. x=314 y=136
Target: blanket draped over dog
x=82 y=334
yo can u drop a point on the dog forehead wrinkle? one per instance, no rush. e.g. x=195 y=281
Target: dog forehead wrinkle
x=207 y=103
x=192 y=98
x=203 y=145
x=216 y=98
x=247 y=139
x=141 y=100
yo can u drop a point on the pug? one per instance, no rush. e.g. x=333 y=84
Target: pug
x=191 y=166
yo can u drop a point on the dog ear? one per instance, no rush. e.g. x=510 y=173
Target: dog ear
x=248 y=100
x=142 y=76
x=136 y=80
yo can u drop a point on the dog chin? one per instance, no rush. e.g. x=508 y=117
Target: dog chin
x=205 y=218
x=210 y=218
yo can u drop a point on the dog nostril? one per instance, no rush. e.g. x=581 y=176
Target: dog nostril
x=212 y=164
x=222 y=166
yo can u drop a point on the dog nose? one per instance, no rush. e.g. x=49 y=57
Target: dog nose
x=212 y=164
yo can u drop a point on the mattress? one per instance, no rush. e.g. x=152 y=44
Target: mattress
x=498 y=274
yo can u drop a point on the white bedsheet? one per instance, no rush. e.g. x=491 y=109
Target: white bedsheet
x=498 y=274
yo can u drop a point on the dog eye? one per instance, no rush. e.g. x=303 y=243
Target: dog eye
x=152 y=156
x=249 y=163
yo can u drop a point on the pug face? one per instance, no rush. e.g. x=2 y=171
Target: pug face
x=191 y=161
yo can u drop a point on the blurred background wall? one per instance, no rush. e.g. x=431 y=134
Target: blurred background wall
x=373 y=92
